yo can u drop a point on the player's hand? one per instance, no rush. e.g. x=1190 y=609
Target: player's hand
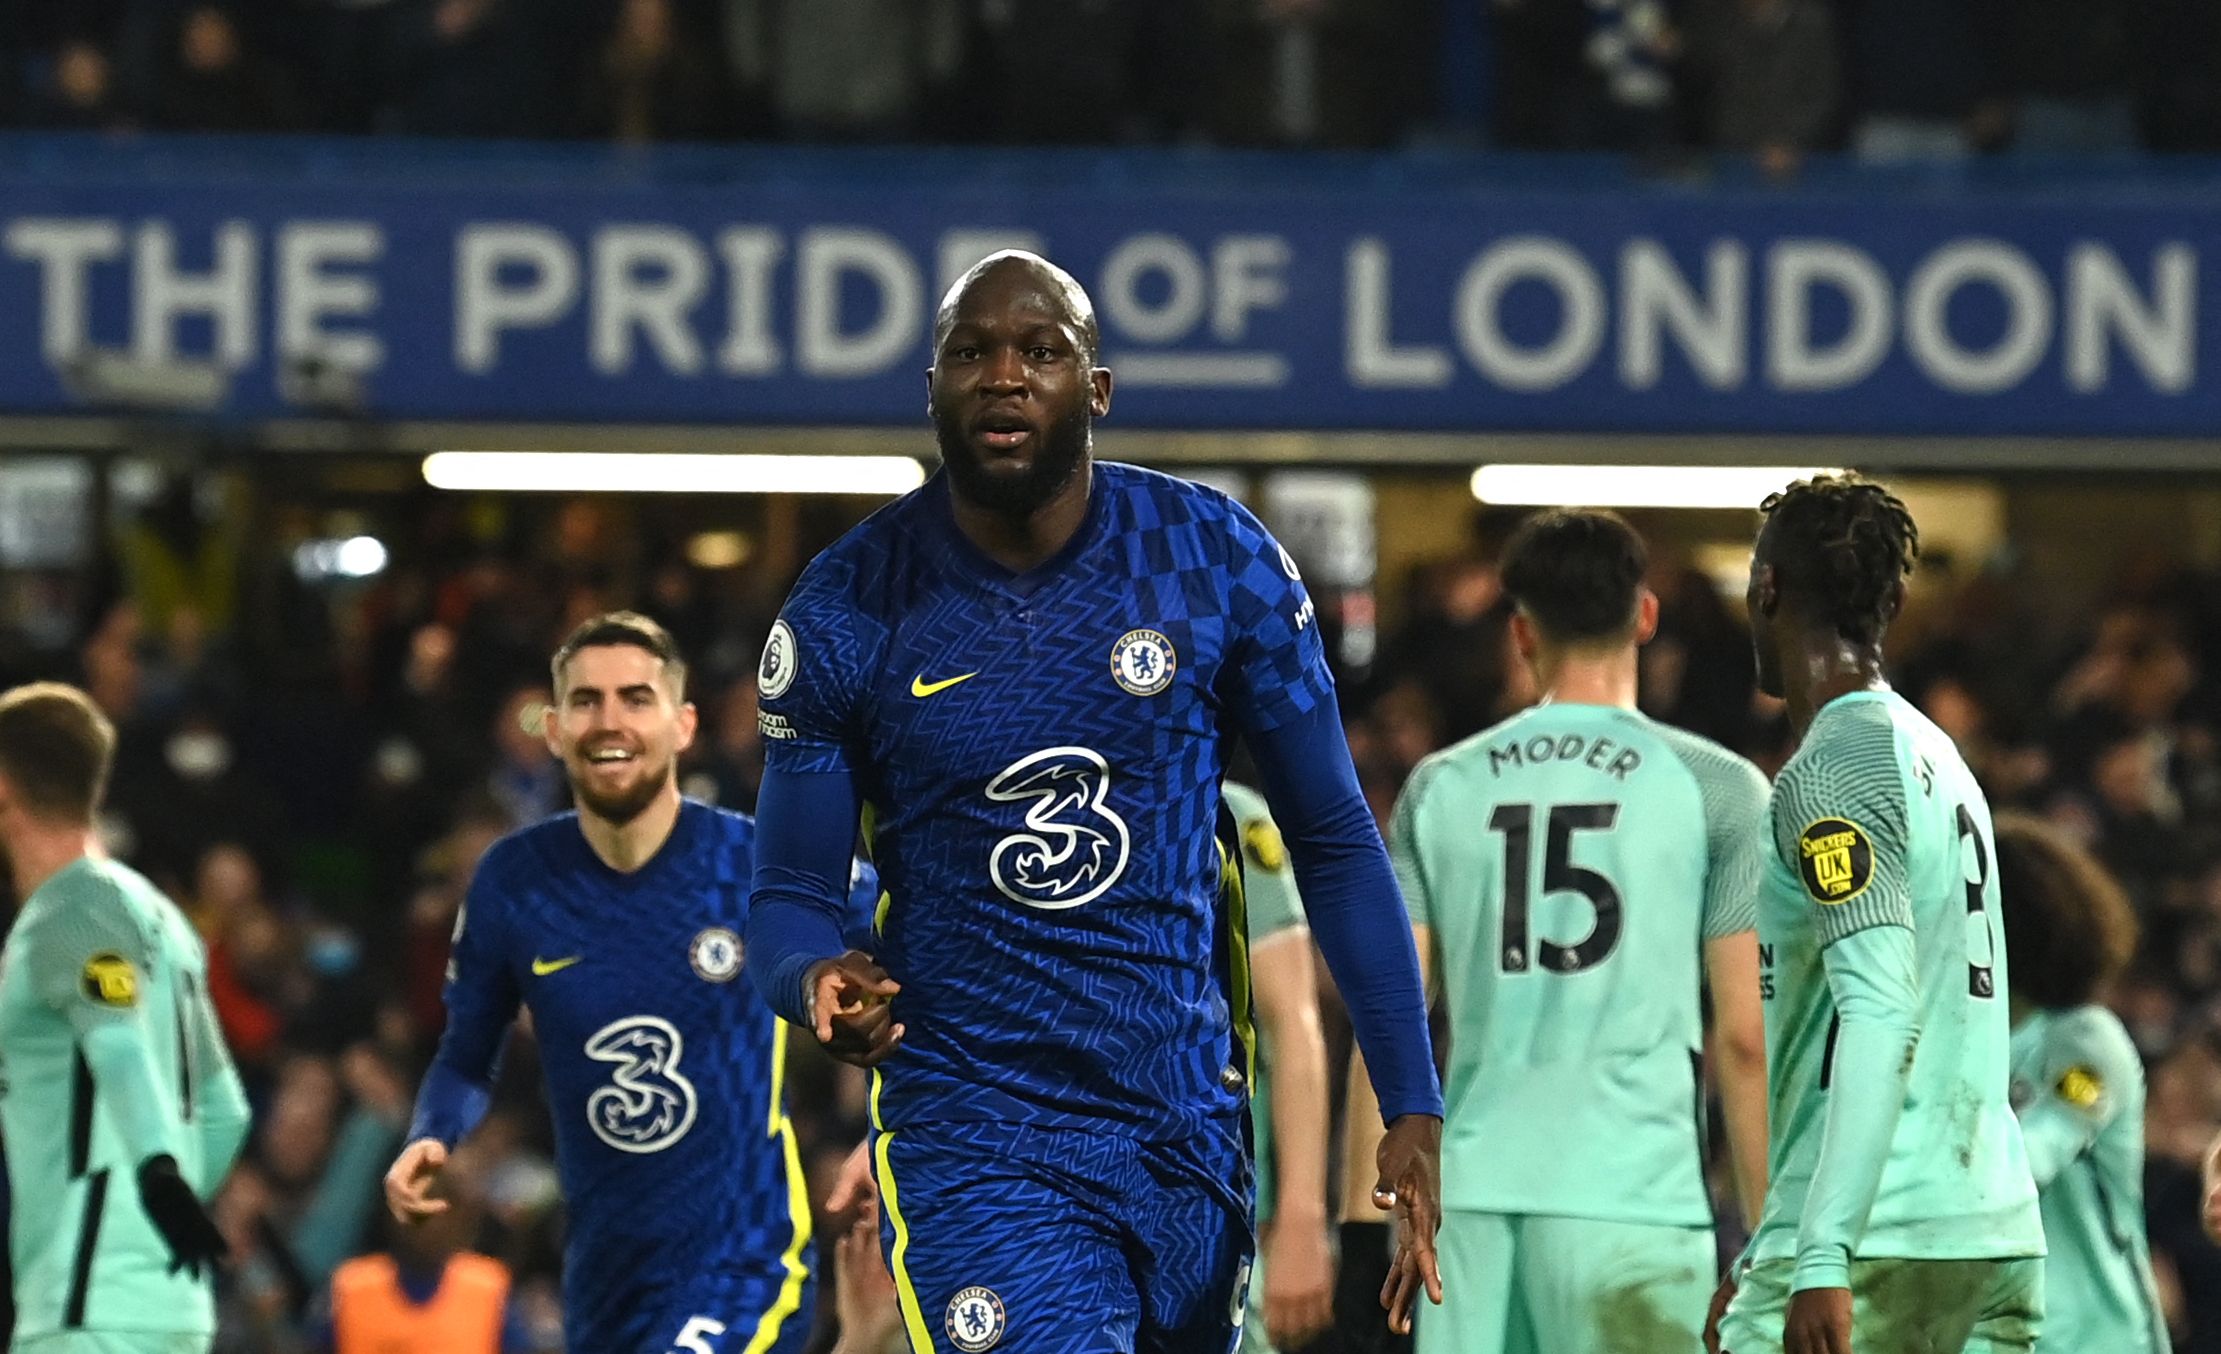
x=1410 y=1185
x=1721 y=1297
x=409 y=1183
x=849 y=999
x=1819 y=1322
x=2213 y=1191
x=194 y=1240
x=865 y=1299
x=854 y=1189
x=1299 y=1280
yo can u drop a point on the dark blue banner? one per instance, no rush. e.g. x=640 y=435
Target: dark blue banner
x=797 y=288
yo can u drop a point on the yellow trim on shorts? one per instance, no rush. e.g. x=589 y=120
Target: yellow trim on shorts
x=789 y=1300
x=906 y=1296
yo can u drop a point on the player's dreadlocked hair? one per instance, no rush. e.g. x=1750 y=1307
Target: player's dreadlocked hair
x=1844 y=544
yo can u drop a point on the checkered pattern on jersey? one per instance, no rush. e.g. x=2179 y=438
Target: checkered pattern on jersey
x=1044 y=807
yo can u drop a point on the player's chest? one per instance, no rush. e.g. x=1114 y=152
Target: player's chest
x=586 y=965
x=971 y=681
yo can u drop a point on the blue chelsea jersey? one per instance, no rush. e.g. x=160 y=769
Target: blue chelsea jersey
x=1039 y=758
x=663 y=1070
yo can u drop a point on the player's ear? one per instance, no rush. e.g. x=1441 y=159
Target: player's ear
x=1099 y=391
x=1897 y=600
x=1526 y=639
x=1646 y=617
x=549 y=732
x=689 y=720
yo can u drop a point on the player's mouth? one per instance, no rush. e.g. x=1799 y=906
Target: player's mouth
x=1002 y=430
x=611 y=756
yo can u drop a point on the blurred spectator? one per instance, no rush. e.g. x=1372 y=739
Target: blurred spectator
x=2178 y=60
x=526 y=781
x=426 y=1292
x=1770 y=70
x=1922 y=76
x=1629 y=108
x=1540 y=74
x=844 y=69
x=1310 y=72
x=2066 y=66
x=471 y=68
x=1050 y=72
x=653 y=80
x=74 y=90
x=208 y=81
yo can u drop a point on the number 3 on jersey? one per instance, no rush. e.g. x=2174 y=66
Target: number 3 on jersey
x=1559 y=875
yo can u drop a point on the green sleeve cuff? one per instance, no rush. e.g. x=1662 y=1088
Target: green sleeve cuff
x=1826 y=1266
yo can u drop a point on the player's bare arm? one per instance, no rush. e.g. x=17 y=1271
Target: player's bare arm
x=1739 y=1061
x=2213 y=1189
x=1299 y=1263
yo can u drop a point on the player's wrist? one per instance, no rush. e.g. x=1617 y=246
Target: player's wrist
x=1824 y=1266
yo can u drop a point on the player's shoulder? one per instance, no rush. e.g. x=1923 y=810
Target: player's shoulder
x=722 y=829
x=1853 y=741
x=1710 y=762
x=842 y=574
x=2094 y=1035
x=1153 y=500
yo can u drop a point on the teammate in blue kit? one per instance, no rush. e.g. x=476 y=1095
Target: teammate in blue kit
x=1024 y=675
x=619 y=926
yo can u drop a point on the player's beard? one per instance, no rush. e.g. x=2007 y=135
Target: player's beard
x=625 y=805
x=1063 y=449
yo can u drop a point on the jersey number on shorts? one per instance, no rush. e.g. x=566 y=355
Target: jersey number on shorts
x=1559 y=875
x=1981 y=945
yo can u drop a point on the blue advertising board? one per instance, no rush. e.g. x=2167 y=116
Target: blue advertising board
x=793 y=287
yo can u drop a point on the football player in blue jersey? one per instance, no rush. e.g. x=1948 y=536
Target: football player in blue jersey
x=620 y=926
x=1023 y=677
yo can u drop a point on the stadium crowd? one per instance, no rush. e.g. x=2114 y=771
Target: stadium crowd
x=1892 y=80
x=314 y=769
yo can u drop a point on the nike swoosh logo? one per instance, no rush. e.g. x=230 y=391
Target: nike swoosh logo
x=541 y=968
x=921 y=688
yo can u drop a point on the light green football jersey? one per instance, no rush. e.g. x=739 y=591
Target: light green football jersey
x=2079 y=1089
x=1274 y=908
x=1877 y=822
x=1570 y=864
x=96 y=944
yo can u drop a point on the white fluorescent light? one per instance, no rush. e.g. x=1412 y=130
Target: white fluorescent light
x=621 y=472
x=1635 y=486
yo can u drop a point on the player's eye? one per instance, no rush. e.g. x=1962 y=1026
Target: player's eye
x=1042 y=352
x=964 y=353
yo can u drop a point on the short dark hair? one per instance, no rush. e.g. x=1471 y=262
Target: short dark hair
x=2069 y=928
x=56 y=748
x=1577 y=571
x=1843 y=544
x=622 y=627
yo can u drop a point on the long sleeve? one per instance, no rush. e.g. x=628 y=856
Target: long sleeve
x=221 y=1112
x=800 y=900
x=1871 y=975
x=482 y=999
x=1349 y=892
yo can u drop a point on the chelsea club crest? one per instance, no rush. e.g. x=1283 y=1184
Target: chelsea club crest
x=1143 y=662
x=975 y=1320
x=715 y=955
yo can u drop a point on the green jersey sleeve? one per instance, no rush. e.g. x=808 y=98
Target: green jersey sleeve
x=1267 y=882
x=1840 y=823
x=2087 y=1063
x=1403 y=847
x=1733 y=793
x=89 y=956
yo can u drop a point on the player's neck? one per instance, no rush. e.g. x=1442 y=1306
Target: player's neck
x=1023 y=541
x=1824 y=668
x=37 y=852
x=625 y=847
x=1588 y=678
